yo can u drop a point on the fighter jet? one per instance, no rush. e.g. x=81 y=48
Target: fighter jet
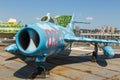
x=45 y=38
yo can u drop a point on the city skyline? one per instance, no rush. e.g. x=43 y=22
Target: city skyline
x=97 y=12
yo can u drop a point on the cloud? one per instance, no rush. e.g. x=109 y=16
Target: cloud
x=89 y=18
x=37 y=18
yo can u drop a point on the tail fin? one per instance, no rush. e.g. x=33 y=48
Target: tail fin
x=72 y=22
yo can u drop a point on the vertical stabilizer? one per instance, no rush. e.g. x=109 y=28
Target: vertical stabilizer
x=71 y=24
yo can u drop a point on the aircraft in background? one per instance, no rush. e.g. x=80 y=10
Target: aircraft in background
x=45 y=38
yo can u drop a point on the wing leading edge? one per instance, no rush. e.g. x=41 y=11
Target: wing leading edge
x=83 y=39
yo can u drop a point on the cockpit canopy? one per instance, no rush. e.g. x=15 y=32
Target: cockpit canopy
x=49 y=19
x=62 y=20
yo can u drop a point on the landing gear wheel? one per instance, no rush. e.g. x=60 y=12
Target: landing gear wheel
x=40 y=72
x=95 y=53
x=94 y=58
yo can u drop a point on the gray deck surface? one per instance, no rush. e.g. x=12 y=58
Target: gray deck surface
x=77 y=66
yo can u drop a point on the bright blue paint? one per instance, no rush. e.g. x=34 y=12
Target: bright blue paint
x=11 y=48
x=108 y=51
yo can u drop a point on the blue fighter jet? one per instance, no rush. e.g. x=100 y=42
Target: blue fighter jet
x=45 y=38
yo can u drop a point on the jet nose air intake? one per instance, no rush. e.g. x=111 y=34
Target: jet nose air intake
x=28 y=40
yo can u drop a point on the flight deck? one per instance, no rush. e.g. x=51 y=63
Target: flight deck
x=77 y=66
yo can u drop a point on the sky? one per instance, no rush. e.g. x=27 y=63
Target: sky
x=97 y=12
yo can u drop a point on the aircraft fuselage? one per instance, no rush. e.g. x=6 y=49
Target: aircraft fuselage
x=42 y=39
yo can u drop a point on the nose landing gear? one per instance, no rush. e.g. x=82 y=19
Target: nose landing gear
x=40 y=71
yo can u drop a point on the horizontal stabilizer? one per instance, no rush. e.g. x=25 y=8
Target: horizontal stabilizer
x=82 y=22
x=75 y=22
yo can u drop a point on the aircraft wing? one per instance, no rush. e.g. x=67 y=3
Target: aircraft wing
x=83 y=39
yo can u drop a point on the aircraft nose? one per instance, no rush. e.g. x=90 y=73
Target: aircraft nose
x=28 y=40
